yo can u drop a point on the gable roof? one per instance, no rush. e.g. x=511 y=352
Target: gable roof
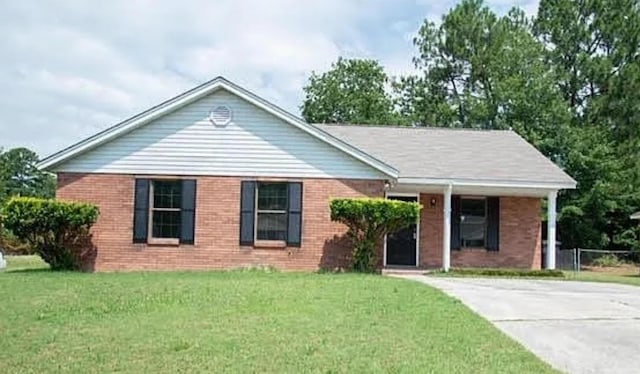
x=427 y=155
x=194 y=94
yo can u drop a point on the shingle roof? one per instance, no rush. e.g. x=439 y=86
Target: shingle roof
x=457 y=154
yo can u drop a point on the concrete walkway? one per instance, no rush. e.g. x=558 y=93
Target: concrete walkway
x=577 y=327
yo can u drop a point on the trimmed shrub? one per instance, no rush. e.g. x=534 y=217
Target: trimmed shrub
x=57 y=231
x=369 y=220
x=508 y=272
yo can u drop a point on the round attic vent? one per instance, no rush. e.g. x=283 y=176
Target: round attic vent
x=220 y=115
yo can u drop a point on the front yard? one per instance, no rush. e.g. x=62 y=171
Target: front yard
x=606 y=275
x=631 y=278
x=243 y=321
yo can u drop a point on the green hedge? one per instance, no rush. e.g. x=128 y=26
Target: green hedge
x=508 y=272
x=369 y=220
x=57 y=231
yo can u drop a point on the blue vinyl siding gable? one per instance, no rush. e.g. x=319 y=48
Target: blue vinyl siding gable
x=186 y=142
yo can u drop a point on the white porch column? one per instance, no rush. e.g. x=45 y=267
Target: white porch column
x=446 y=235
x=551 y=230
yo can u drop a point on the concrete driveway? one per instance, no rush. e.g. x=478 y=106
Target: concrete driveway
x=577 y=327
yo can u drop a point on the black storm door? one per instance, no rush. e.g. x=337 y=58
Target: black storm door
x=401 y=246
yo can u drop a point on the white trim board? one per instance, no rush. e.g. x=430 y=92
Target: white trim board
x=195 y=94
x=480 y=189
x=485 y=183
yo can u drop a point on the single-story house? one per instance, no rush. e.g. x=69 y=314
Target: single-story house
x=218 y=177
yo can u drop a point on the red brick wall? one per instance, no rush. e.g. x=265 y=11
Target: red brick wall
x=520 y=240
x=217 y=226
x=431 y=228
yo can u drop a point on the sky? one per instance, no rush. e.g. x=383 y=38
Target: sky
x=72 y=68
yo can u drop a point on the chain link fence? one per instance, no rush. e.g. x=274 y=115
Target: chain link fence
x=567 y=259
x=580 y=259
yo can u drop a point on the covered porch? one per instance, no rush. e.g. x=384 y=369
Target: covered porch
x=467 y=224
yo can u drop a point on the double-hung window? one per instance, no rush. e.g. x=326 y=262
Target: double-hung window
x=271 y=211
x=164 y=209
x=473 y=221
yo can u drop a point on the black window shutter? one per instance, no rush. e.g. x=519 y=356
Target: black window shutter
x=294 y=228
x=493 y=223
x=141 y=211
x=188 y=211
x=247 y=212
x=455 y=222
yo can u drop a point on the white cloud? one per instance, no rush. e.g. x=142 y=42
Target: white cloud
x=71 y=68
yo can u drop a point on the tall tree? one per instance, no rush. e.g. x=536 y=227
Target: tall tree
x=567 y=80
x=589 y=43
x=353 y=91
x=481 y=70
x=594 y=47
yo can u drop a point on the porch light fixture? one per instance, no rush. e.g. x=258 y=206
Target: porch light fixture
x=433 y=202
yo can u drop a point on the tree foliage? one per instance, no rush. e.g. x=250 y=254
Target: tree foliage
x=479 y=70
x=58 y=231
x=567 y=80
x=369 y=220
x=593 y=47
x=20 y=176
x=353 y=91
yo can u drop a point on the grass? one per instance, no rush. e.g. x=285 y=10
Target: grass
x=25 y=263
x=504 y=273
x=583 y=276
x=592 y=276
x=242 y=321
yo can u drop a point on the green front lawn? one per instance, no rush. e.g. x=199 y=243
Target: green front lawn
x=585 y=276
x=592 y=276
x=21 y=263
x=242 y=322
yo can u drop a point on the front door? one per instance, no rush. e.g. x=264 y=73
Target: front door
x=401 y=246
